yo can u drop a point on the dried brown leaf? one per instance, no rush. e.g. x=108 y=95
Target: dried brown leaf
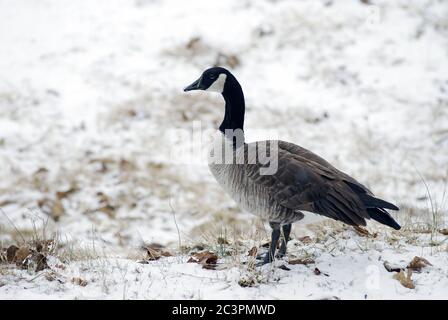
x=79 y=281
x=418 y=263
x=64 y=194
x=21 y=254
x=11 y=253
x=222 y=240
x=57 y=210
x=193 y=43
x=155 y=251
x=126 y=165
x=206 y=258
x=252 y=252
x=305 y=239
x=53 y=208
x=109 y=210
x=37 y=261
x=405 y=279
x=444 y=231
x=247 y=282
x=227 y=59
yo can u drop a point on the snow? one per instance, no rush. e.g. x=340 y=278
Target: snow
x=91 y=96
x=174 y=278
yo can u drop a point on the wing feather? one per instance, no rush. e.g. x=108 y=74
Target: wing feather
x=304 y=181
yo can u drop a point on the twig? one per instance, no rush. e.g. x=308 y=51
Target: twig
x=175 y=222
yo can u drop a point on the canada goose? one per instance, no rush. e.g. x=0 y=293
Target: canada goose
x=302 y=180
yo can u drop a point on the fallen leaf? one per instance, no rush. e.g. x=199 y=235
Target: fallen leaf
x=252 y=252
x=222 y=241
x=60 y=266
x=156 y=252
x=108 y=209
x=206 y=258
x=405 y=279
x=50 y=277
x=305 y=239
x=79 y=282
x=53 y=208
x=11 y=253
x=41 y=170
x=301 y=261
x=5 y=203
x=444 y=231
x=21 y=254
x=247 y=282
x=193 y=43
x=126 y=165
x=227 y=59
x=104 y=199
x=64 y=194
x=57 y=210
x=37 y=261
x=418 y=263
x=42 y=245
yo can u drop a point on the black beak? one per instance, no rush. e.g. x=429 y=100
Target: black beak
x=194 y=86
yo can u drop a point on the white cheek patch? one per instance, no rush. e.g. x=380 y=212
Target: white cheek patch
x=218 y=85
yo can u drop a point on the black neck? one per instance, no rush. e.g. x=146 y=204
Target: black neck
x=234 y=98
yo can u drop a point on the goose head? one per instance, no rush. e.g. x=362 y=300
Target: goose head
x=220 y=80
x=213 y=79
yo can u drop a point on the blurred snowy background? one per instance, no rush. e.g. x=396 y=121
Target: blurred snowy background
x=90 y=90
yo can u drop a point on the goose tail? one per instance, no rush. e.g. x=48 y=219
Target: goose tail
x=382 y=216
x=372 y=202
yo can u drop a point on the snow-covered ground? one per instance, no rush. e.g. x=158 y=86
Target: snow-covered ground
x=91 y=95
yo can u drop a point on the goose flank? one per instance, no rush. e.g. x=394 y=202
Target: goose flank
x=300 y=182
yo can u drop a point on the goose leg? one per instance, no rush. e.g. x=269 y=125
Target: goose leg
x=286 y=232
x=269 y=257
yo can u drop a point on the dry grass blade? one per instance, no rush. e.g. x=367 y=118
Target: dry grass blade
x=302 y=261
x=363 y=232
